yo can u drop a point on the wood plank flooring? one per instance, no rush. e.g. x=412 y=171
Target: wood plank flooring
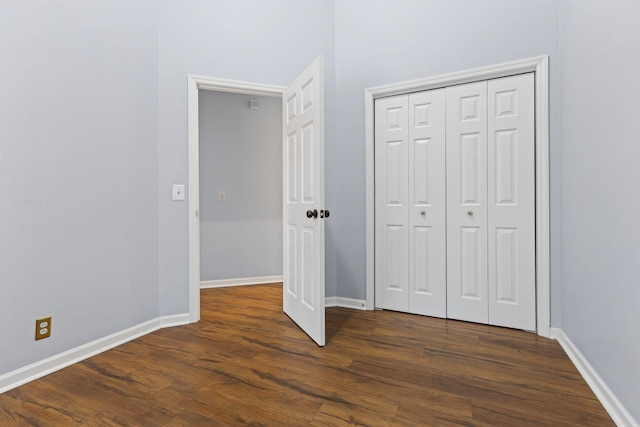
x=246 y=363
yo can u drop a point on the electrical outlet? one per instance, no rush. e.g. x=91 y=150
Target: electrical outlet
x=222 y=196
x=43 y=328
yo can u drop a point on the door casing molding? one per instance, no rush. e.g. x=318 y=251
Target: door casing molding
x=540 y=67
x=194 y=84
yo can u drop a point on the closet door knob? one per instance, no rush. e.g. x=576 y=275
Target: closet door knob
x=470 y=213
x=312 y=213
x=423 y=212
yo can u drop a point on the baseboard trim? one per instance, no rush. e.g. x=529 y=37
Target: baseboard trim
x=356 y=304
x=44 y=367
x=612 y=405
x=207 y=284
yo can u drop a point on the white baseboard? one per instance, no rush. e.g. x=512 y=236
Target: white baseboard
x=356 y=304
x=613 y=406
x=206 y=284
x=54 y=363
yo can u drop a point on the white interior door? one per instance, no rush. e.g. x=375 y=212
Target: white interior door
x=303 y=212
x=427 y=204
x=391 y=201
x=467 y=202
x=511 y=193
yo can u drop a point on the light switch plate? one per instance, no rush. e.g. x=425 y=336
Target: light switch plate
x=178 y=191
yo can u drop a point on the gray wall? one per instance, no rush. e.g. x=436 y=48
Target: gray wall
x=397 y=41
x=78 y=172
x=600 y=176
x=253 y=40
x=241 y=154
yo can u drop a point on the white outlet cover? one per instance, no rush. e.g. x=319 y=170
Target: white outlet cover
x=178 y=192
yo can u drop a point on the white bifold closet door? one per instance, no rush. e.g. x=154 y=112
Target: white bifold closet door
x=467 y=293
x=410 y=203
x=491 y=202
x=455 y=202
x=427 y=204
x=511 y=202
x=392 y=203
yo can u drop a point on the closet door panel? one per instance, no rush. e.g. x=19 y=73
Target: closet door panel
x=511 y=202
x=427 y=204
x=466 y=186
x=392 y=203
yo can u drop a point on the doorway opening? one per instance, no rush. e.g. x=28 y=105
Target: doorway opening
x=240 y=150
x=195 y=84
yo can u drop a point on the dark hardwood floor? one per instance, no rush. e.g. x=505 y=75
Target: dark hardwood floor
x=246 y=363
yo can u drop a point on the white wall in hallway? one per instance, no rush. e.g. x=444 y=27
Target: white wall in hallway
x=240 y=154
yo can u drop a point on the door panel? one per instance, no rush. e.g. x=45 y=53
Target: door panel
x=427 y=201
x=291 y=256
x=470 y=267
x=466 y=163
x=391 y=201
x=308 y=162
x=420 y=272
x=511 y=202
x=308 y=279
x=506 y=267
x=303 y=123
x=291 y=170
x=471 y=165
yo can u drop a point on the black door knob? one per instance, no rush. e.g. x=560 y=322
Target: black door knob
x=312 y=213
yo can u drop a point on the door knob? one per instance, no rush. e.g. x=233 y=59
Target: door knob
x=312 y=213
x=423 y=212
x=470 y=213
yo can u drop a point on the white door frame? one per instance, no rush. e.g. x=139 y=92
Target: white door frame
x=195 y=83
x=538 y=65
